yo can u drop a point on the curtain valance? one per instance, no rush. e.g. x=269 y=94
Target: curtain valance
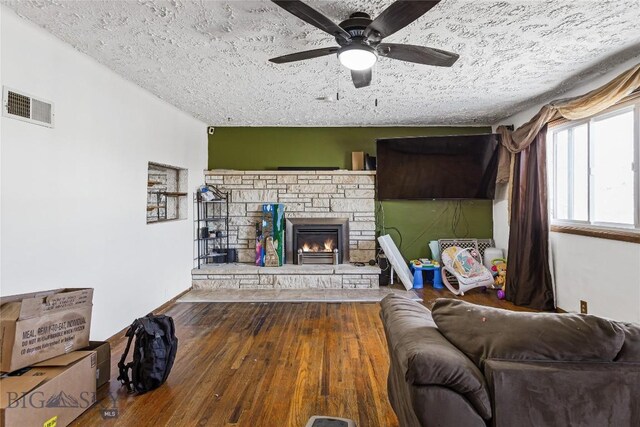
x=575 y=108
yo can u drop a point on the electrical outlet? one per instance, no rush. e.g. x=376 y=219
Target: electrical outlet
x=583 y=307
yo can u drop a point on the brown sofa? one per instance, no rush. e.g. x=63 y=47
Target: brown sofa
x=469 y=365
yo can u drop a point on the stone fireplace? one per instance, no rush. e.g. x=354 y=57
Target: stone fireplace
x=339 y=194
x=317 y=240
x=322 y=206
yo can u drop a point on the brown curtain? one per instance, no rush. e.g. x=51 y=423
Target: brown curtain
x=571 y=108
x=529 y=279
x=523 y=165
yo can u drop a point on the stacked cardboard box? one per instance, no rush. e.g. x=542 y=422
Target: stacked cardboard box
x=51 y=393
x=103 y=367
x=46 y=379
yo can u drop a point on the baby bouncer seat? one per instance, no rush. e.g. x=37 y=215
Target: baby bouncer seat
x=468 y=271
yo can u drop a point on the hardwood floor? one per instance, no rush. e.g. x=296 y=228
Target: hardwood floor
x=475 y=296
x=268 y=364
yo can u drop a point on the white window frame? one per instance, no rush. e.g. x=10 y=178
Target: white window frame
x=552 y=141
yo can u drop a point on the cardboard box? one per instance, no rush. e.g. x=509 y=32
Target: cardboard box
x=103 y=366
x=41 y=325
x=51 y=393
x=357 y=160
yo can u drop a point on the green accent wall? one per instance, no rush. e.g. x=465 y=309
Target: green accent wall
x=264 y=148
x=419 y=221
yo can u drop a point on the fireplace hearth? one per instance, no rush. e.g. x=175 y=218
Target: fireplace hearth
x=317 y=240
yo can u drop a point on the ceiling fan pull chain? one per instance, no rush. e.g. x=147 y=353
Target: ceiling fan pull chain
x=338 y=81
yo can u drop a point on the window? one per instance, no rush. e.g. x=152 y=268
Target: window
x=593 y=170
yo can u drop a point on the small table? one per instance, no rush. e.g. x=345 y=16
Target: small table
x=417 y=275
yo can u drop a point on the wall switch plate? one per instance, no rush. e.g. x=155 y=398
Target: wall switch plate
x=583 y=307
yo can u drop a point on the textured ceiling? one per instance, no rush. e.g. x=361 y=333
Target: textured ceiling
x=209 y=58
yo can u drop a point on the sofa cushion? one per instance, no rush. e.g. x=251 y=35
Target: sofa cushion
x=630 y=351
x=561 y=394
x=426 y=357
x=492 y=333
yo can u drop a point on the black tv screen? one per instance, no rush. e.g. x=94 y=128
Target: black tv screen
x=437 y=167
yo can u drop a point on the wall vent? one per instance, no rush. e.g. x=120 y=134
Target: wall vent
x=24 y=107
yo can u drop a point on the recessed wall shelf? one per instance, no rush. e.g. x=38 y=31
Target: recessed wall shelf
x=166 y=195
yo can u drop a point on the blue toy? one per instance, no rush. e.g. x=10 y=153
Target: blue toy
x=418 y=266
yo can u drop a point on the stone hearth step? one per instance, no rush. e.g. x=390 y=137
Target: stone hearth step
x=290 y=276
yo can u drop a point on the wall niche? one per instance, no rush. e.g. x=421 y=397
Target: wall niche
x=166 y=193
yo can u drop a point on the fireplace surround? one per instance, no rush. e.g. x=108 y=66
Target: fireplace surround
x=305 y=194
x=317 y=240
x=342 y=194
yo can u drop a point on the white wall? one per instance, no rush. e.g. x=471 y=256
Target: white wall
x=604 y=273
x=74 y=197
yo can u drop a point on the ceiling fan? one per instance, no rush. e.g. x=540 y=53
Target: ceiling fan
x=359 y=38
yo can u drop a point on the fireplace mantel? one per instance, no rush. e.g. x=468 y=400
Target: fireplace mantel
x=223 y=172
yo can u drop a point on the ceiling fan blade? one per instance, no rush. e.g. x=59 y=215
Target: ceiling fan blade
x=307 y=54
x=361 y=78
x=313 y=17
x=418 y=54
x=397 y=16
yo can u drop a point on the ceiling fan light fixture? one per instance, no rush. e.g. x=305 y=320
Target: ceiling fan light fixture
x=358 y=57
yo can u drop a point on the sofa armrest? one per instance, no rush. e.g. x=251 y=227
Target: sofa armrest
x=564 y=393
x=440 y=406
x=425 y=358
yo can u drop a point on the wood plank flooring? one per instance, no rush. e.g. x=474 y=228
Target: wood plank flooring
x=268 y=364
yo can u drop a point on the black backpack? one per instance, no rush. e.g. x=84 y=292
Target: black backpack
x=153 y=353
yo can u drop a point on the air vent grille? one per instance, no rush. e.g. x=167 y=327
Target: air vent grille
x=26 y=108
x=19 y=105
x=41 y=111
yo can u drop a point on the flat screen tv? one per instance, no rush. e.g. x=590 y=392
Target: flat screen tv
x=437 y=167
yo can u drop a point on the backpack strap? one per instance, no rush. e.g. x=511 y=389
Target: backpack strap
x=124 y=369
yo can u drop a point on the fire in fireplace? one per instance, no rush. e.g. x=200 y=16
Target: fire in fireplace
x=316 y=244
x=327 y=246
x=317 y=240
